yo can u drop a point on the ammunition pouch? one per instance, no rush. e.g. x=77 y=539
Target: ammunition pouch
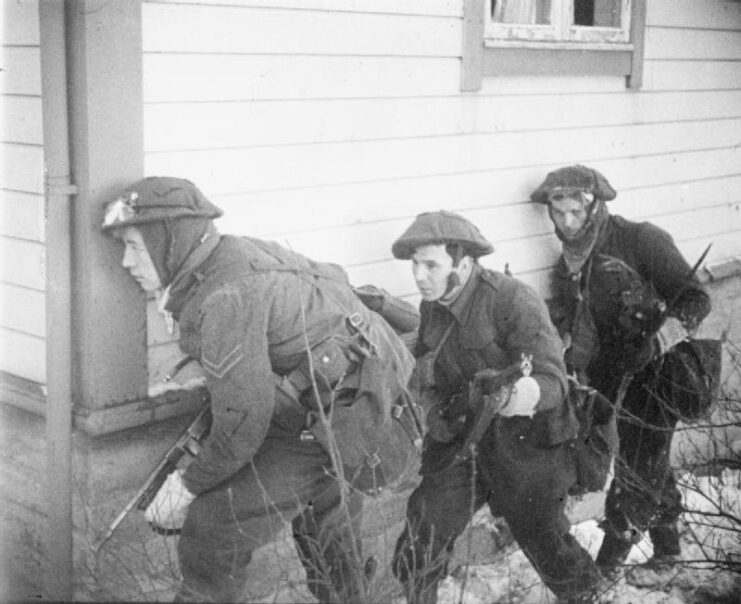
x=372 y=421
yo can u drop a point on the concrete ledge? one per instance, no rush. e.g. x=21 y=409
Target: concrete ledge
x=721 y=270
x=31 y=396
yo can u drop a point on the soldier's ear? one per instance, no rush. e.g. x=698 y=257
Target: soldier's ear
x=602 y=188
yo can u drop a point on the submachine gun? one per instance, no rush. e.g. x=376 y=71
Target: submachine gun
x=188 y=444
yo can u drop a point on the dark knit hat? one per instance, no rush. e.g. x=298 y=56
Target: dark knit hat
x=571 y=179
x=157 y=198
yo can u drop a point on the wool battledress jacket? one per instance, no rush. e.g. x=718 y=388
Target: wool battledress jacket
x=652 y=253
x=497 y=319
x=247 y=312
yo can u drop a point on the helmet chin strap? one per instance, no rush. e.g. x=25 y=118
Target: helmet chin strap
x=456 y=279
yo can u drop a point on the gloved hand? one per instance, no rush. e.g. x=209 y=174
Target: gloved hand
x=372 y=296
x=170 y=505
x=523 y=399
x=671 y=333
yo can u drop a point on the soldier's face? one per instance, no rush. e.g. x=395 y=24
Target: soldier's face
x=431 y=267
x=137 y=260
x=569 y=215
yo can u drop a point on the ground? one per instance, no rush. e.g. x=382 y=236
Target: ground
x=489 y=568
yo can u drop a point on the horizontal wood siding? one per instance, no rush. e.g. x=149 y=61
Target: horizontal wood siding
x=327 y=125
x=22 y=270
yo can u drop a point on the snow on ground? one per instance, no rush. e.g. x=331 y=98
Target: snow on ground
x=511 y=578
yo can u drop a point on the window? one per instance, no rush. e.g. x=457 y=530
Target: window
x=581 y=21
x=552 y=37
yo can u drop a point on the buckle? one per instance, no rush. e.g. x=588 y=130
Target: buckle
x=355 y=321
x=306 y=436
x=397 y=411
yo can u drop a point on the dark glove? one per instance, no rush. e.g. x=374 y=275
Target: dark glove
x=371 y=296
x=633 y=357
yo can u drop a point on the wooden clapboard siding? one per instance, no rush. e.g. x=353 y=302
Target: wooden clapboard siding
x=23 y=355
x=24 y=167
x=268 y=168
x=173 y=77
x=22 y=70
x=23 y=310
x=693 y=14
x=22 y=119
x=693 y=45
x=22 y=298
x=213 y=125
x=403 y=7
x=245 y=30
x=692 y=75
x=23 y=263
x=325 y=207
x=22 y=215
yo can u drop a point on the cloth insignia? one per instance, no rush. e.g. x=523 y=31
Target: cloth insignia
x=226 y=364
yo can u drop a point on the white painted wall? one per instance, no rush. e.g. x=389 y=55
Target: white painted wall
x=22 y=282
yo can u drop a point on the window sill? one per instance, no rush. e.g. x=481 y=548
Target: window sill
x=556 y=46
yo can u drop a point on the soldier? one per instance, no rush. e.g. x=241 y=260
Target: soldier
x=624 y=296
x=477 y=323
x=307 y=391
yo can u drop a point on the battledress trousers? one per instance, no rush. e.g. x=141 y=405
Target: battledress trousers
x=523 y=469
x=246 y=310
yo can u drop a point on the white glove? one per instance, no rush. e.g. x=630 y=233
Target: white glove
x=170 y=504
x=523 y=399
x=671 y=333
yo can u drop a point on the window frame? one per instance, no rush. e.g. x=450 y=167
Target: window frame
x=485 y=56
x=559 y=30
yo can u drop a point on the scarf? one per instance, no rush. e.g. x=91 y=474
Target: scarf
x=576 y=251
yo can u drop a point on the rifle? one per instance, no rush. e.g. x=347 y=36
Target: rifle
x=189 y=443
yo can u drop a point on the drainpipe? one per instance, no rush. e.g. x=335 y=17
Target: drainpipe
x=58 y=573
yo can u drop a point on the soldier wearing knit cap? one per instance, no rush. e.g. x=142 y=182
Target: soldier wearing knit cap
x=279 y=337
x=612 y=287
x=475 y=320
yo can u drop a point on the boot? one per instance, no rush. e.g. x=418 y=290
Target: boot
x=612 y=554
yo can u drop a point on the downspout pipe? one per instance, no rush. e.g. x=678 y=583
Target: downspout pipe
x=58 y=189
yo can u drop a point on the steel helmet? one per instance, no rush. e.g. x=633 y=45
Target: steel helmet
x=157 y=198
x=441 y=227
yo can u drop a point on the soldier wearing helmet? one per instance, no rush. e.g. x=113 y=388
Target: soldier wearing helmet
x=296 y=366
x=477 y=322
x=613 y=284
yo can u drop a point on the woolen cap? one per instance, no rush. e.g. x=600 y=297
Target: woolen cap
x=438 y=228
x=157 y=198
x=574 y=178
